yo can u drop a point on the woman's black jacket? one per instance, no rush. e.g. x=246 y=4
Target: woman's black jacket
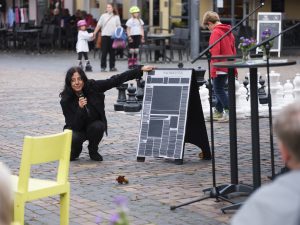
x=76 y=117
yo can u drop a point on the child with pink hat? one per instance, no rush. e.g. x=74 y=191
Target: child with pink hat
x=82 y=47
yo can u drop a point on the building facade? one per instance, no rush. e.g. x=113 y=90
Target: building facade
x=164 y=13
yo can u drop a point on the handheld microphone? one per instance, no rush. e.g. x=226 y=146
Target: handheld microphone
x=81 y=95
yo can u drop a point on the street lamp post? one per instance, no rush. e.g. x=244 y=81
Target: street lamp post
x=195 y=34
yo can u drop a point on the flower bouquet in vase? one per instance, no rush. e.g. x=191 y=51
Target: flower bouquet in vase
x=265 y=35
x=245 y=45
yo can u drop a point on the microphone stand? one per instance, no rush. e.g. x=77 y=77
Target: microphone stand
x=218 y=192
x=267 y=46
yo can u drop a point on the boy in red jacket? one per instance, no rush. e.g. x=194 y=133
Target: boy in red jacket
x=226 y=46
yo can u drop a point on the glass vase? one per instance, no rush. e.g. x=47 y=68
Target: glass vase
x=245 y=56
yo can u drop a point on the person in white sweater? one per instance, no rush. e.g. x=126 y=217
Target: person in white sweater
x=82 y=47
x=108 y=23
x=278 y=203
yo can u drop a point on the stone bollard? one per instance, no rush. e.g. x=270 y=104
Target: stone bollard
x=246 y=83
x=288 y=88
x=244 y=99
x=297 y=86
x=239 y=106
x=262 y=95
x=274 y=89
x=140 y=91
x=119 y=105
x=263 y=98
x=204 y=96
x=214 y=98
x=131 y=104
x=199 y=74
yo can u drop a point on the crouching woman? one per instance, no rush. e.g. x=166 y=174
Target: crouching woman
x=82 y=102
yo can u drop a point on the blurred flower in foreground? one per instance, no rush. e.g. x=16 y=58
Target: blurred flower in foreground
x=120 y=216
x=114 y=219
x=98 y=220
x=121 y=201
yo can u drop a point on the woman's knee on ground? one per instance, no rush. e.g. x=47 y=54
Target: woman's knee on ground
x=95 y=133
x=96 y=127
x=77 y=140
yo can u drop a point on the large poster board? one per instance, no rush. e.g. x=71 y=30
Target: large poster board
x=164 y=113
x=270 y=21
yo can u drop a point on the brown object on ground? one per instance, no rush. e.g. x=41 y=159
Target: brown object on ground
x=122 y=180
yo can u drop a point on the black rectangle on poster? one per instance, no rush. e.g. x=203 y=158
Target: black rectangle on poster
x=173 y=122
x=155 y=128
x=166 y=99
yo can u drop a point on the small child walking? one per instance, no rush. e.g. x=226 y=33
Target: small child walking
x=82 y=47
x=135 y=32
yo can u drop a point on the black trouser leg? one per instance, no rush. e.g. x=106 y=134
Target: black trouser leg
x=105 y=46
x=80 y=55
x=112 y=55
x=85 y=55
x=77 y=140
x=94 y=135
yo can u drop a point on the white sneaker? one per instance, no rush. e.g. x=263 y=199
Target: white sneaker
x=225 y=117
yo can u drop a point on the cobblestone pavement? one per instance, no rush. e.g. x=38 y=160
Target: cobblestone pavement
x=30 y=85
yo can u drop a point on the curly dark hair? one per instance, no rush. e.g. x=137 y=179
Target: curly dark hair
x=68 y=91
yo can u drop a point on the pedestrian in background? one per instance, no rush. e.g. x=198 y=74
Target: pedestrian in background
x=135 y=32
x=108 y=23
x=226 y=46
x=82 y=46
x=278 y=202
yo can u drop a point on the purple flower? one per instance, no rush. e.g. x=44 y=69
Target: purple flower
x=121 y=201
x=266 y=34
x=98 y=220
x=264 y=37
x=114 y=219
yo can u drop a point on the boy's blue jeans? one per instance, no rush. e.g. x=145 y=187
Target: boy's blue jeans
x=222 y=98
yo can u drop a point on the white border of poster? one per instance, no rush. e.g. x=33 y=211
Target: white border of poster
x=265 y=20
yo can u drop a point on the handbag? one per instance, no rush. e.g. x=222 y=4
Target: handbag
x=99 y=40
x=118 y=44
x=99 y=36
x=119 y=38
x=119 y=33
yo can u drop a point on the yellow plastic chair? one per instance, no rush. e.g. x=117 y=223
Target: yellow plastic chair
x=38 y=150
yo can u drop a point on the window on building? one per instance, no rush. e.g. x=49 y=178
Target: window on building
x=145 y=11
x=179 y=13
x=42 y=10
x=223 y=8
x=156 y=13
